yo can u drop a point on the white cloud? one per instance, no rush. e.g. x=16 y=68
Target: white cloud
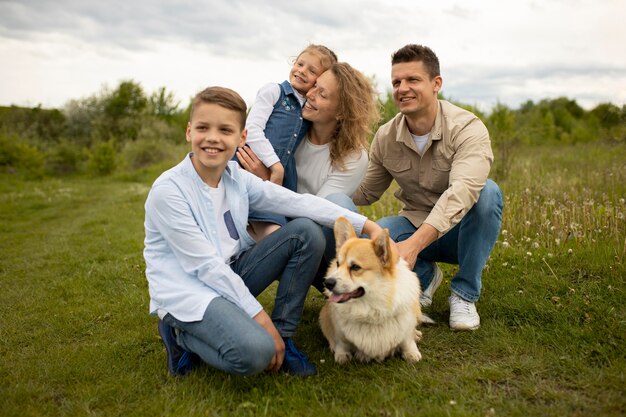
x=490 y=51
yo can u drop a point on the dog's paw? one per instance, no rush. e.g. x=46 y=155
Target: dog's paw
x=418 y=335
x=342 y=358
x=412 y=356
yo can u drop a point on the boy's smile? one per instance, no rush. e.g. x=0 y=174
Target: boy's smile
x=215 y=133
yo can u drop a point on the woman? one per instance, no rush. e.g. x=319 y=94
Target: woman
x=332 y=158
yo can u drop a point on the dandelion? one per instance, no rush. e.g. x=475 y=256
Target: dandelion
x=505 y=264
x=622 y=201
x=529 y=254
x=535 y=245
x=505 y=232
x=550 y=255
x=557 y=241
x=505 y=244
x=570 y=251
x=452 y=402
x=527 y=223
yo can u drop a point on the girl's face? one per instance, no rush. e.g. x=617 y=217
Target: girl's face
x=322 y=102
x=304 y=73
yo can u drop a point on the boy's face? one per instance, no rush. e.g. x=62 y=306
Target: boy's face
x=305 y=71
x=214 y=132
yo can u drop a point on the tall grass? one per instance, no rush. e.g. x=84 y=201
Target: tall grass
x=76 y=339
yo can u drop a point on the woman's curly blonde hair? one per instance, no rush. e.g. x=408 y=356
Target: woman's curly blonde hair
x=357 y=113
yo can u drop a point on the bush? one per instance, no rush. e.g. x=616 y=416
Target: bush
x=145 y=152
x=64 y=159
x=102 y=159
x=20 y=158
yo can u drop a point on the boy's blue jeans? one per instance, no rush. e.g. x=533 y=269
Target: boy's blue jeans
x=227 y=338
x=467 y=244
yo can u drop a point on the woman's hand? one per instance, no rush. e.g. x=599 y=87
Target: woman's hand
x=251 y=163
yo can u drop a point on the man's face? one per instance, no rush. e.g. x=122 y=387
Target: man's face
x=413 y=90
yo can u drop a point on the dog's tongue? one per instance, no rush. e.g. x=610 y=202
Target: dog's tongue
x=342 y=298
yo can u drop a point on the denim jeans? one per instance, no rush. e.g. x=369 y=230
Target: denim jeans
x=467 y=244
x=227 y=338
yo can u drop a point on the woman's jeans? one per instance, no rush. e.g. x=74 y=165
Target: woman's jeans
x=467 y=244
x=227 y=338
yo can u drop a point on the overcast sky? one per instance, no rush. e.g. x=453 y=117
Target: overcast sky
x=490 y=50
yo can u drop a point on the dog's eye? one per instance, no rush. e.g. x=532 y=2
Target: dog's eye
x=355 y=267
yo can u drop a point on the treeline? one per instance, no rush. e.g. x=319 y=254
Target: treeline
x=128 y=129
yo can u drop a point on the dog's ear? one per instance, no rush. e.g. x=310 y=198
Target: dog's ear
x=382 y=247
x=343 y=231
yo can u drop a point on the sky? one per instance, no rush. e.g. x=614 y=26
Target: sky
x=490 y=51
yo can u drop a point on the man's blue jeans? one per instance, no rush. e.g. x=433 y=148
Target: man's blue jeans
x=227 y=338
x=467 y=244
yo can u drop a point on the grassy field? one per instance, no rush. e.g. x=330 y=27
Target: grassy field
x=76 y=338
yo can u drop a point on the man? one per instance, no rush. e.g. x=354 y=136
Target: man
x=440 y=156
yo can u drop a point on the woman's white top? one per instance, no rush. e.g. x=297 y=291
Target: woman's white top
x=317 y=176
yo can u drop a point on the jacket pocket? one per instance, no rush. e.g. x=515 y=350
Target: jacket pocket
x=397 y=165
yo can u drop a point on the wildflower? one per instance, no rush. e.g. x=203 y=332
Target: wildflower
x=550 y=255
x=527 y=223
x=529 y=254
x=505 y=232
x=535 y=245
x=622 y=201
x=505 y=244
x=570 y=251
x=505 y=264
x=557 y=241
x=452 y=402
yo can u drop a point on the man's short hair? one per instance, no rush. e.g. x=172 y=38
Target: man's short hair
x=224 y=97
x=413 y=52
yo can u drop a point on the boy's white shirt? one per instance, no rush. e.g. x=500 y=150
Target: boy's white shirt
x=317 y=176
x=185 y=264
x=261 y=110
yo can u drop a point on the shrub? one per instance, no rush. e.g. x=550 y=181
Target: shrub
x=20 y=158
x=63 y=159
x=102 y=159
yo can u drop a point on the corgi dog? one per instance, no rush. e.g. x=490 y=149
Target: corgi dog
x=373 y=305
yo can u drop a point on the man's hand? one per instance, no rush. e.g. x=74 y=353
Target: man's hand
x=409 y=249
x=251 y=163
x=266 y=322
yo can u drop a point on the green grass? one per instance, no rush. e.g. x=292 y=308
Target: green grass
x=76 y=338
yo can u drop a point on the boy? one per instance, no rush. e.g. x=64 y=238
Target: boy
x=203 y=268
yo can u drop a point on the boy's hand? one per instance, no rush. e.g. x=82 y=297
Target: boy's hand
x=251 y=163
x=277 y=173
x=266 y=322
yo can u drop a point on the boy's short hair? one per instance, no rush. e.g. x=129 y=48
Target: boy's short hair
x=412 y=52
x=224 y=97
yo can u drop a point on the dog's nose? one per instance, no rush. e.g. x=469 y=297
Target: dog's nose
x=330 y=283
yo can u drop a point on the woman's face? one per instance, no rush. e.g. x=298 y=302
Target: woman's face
x=322 y=100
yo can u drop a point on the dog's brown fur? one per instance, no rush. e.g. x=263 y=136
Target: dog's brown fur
x=373 y=300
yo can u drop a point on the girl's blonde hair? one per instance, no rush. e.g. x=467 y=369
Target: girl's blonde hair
x=327 y=56
x=357 y=113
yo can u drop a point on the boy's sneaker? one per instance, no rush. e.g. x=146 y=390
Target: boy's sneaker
x=296 y=363
x=179 y=361
x=426 y=299
x=463 y=314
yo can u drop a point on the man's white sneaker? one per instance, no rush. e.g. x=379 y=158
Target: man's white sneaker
x=463 y=314
x=426 y=299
